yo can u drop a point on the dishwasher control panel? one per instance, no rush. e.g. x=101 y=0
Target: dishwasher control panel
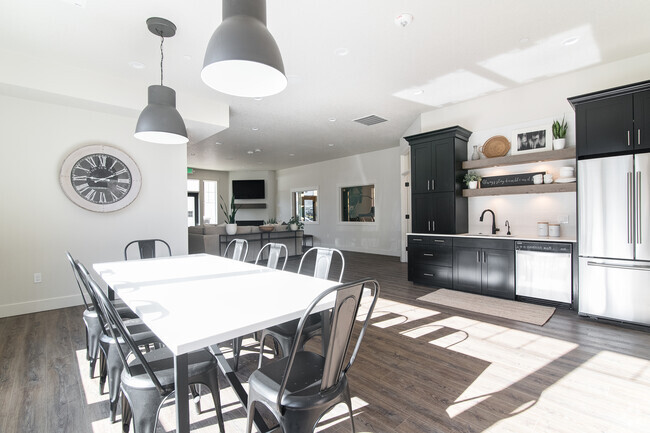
x=543 y=247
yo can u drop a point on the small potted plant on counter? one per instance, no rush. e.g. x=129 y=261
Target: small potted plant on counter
x=295 y=223
x=231 y=223
x=471 y=179
x=269 y=225
x=559 y=134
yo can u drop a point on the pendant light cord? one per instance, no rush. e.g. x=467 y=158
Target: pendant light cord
x=162 y=39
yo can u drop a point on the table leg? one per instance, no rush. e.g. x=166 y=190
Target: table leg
x=237 y=387
x=182 y=401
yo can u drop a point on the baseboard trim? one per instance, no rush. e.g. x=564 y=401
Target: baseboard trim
x=20 y=308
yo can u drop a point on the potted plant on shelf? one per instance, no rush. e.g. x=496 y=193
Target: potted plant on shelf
x=471 y=179
x=231 y=223
x=559 y=134
x=295 y=223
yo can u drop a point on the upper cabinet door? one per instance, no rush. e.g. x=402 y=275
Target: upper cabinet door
x=605 y=126
x=421 y=168
x=443 y=166
x=642 y=120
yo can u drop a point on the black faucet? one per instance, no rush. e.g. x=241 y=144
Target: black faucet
x=494 y=226
x=508 y=225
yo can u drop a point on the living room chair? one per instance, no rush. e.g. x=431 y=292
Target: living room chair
x=239 y=249
x=299 y=388
x=284 y=333
x=147 y=380
x=146 y=248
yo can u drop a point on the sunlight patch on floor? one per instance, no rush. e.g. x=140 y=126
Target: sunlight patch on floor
x=339 y=414
x=90 y=386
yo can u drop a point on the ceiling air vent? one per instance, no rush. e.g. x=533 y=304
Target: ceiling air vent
x=370 y=120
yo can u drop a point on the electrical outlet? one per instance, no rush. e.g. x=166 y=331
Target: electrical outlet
x=563 y=219
x=38 y=278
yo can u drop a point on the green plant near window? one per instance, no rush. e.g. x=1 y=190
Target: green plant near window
x=271 y=221
x=471 y=176
x=559 y=129
x=296 y=220
x=229 y=213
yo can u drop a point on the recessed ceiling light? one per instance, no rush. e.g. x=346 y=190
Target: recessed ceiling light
x=136 y=65
x=341 y=52
x=217 y=143
x=257 y=99
x=332 y=119
x=418 y=92
x=570 y=41
x=254 y=128
x=250 y=152
x=330 y=144
x=258 y=150
x=292 y=154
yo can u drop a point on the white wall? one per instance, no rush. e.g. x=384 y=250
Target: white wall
x=532 y=105
x=381 y=168
x=38 y=223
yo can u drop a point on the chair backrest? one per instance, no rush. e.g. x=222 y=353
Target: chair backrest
x=147 y=248
x=119 y=332
x=323 y=261
x=344 y=314
x=78 y=279
x=239 y=249
x=86 y=280
x=275 y=252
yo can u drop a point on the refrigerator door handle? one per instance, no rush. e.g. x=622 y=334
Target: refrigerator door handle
x=630 y=213
x=628 y=138
x=611 y=265
x=638 y=208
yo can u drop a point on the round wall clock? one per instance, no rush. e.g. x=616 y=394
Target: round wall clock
x=100 y=178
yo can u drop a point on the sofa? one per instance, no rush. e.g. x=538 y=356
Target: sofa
x=212 y=239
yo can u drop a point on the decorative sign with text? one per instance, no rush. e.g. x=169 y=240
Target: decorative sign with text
x=509 y=180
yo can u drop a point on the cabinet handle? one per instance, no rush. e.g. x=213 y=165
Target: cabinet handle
x=433 y=184
x=438 y=240
x=630 y=213
x=429 y=225
x=428 y=185
x=628 y=137
x=416 y=240
x=478 y=257
x=639 y=136
x=484 y=257
x=428 y=275
x=433 y=226
x=427 y=254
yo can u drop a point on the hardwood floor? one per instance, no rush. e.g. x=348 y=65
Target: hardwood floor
x=421 y=368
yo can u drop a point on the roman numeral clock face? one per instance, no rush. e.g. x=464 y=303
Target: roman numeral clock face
x=100 y=178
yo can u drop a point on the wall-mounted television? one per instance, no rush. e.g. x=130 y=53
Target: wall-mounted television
x=248 y=189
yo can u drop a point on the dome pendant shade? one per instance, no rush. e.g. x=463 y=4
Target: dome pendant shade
x=242 y=58
x=160 y=122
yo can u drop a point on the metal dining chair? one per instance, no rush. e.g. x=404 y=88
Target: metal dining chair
x=110 y=366
x=239 y=250
x=147 y=248
x=275 y=251
x=284 y=333
x=147 y=380
x=300 y=387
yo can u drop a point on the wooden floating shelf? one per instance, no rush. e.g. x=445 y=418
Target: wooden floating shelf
x=551 y=155
x=521 y=189
x=250 y=205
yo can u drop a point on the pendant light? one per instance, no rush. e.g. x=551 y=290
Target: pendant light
x=160 y=122
x=242 y=58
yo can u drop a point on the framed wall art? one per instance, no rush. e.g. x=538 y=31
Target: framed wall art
x=534 y=139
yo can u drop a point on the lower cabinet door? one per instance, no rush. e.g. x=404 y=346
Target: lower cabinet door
x=467 y=269
x=498 y=273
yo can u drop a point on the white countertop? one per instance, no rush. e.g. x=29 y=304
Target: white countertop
x=514 y=237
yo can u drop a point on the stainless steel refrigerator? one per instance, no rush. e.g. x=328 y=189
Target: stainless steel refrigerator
x=614 y=237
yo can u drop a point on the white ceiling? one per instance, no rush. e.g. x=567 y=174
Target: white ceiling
x=452 y=51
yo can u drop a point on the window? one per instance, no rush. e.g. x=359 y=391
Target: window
x=305 y=204
x=358 y=203
x=192 y=202
x=210 y=206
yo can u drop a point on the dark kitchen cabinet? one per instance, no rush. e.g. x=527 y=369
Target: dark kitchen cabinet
x=484 y=266
x=430 y=261
x=613 y=121
x=437 y=204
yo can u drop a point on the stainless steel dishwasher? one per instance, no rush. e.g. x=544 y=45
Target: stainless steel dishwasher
x=544 y=271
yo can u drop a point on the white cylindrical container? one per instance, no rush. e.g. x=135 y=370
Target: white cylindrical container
x=554 y=230
x=542 y=229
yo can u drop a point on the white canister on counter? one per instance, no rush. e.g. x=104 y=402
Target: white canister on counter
x=542 y=228
x=554 y=230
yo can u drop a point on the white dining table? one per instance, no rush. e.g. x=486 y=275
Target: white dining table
x=195 y=301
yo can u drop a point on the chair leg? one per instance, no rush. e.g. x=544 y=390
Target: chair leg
x=251 y=414
x=259 y=361
x=213 y=379
x=236 y=349
x=126 y=414
x=102 y=372
x=195 y=390
x=348 y=402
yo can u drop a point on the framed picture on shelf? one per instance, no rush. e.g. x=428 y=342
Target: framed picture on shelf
x=534 y=139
